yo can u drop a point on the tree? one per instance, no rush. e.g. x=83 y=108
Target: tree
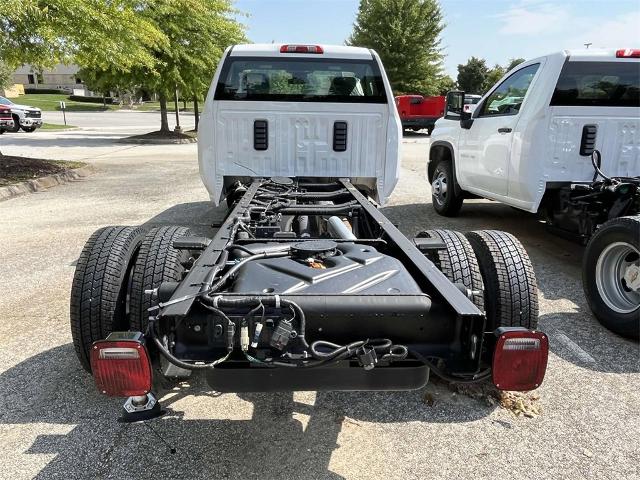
x=406 y=35
x=88 y=32
x=197 y=32
x=472 y=76
x=446 y=84
x=493 y=76
x=6 y=75
x=514 y=62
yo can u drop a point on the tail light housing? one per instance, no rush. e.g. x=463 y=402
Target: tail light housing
x=519 y=359
x=121 y=366
x=301 y=49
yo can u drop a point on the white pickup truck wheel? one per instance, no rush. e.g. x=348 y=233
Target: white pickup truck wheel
x=611 y=275
x=100 y=284
x=443 y=192
x=16 y=124
x=511 y=291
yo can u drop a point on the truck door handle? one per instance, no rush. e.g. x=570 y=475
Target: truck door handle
x=504 y=130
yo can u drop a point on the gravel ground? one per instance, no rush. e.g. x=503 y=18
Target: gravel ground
x=53 y=424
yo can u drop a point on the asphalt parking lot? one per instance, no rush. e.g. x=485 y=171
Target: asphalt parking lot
x=53 y=424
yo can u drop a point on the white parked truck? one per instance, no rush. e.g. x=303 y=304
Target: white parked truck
x=24 y=117
x=558 y=135
x=306 y=285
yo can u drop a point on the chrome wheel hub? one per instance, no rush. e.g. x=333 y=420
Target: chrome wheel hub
x=439 y=187
x=618 y=277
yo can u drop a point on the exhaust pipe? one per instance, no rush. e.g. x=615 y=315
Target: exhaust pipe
x=338 y=229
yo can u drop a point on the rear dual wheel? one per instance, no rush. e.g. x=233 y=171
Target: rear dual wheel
x=100 y=287
x=115 y=269
x=511 y=290
x=611 y=275
x=496 y=272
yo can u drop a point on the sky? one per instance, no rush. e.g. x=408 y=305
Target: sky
x=495 y=30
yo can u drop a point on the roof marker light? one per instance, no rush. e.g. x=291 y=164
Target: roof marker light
x=316 y=49
x=628 y=53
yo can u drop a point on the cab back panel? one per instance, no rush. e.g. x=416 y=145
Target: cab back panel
x=300 y=139
x=618 y=140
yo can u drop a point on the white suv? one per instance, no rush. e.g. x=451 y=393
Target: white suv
x=558 y=135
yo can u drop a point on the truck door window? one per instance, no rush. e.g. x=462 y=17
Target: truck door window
x=507 y=98
x=598 y=84
x=301 y=80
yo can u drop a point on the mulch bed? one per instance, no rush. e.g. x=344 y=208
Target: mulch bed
x=166 y=135
x=19 y=169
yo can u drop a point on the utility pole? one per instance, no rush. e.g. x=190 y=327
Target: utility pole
x=587 y=45
x=175 y=100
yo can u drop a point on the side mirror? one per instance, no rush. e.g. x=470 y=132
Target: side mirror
x=454 y=104
x=465 y=120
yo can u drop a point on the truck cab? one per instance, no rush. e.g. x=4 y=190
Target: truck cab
x=310 y=111
x=558 y=135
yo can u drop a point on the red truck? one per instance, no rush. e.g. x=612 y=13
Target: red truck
x=418 y=112
x=6 y=120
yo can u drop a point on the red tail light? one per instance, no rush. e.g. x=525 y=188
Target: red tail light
x=301 y=49
x=628 y=53
x=519 y=359
x=121 y=366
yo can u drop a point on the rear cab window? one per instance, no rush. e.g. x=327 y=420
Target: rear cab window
x=598 y=84
x=300 y=80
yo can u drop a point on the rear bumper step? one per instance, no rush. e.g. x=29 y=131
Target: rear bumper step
x=404 y=375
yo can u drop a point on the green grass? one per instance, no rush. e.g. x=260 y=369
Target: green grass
x=151 y=106
x=55 y=126
x=50 y=102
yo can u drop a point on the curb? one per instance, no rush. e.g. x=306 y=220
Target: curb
x=157 y=141
x=43 y=183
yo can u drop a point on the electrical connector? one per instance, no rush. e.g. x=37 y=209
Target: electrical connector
x=281 y=335
x=256 y=335
x=244 y=338
x=231 y=332
x=367 y=357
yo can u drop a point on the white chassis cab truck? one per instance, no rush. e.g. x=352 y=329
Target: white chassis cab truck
x=306 y=285
x=559 y=136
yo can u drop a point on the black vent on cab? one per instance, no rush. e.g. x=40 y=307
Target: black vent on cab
x=588 y=142
x=260 y=135
x=340 y=136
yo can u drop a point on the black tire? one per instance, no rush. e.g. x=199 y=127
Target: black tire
x=100 y=285
x=510 y=287
x=157 y=262
x=2 y=131
x=458 y=262
x=28 y=129
x=16 y=124
x=616 y=246
x=443 y=191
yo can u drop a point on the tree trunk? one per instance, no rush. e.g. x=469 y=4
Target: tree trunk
x=164 y=120
x=196 y=112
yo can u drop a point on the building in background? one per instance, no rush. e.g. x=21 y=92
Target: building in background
x=61 y=77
